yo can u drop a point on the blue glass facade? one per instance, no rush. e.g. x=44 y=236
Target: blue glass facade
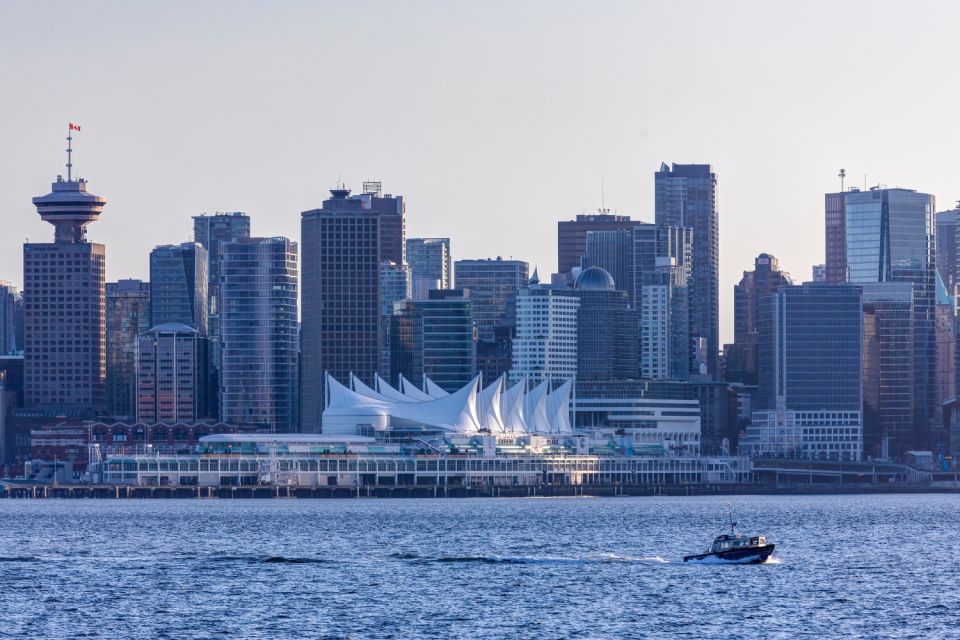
x=178 y=286
x=810 y=349
x=891 y=237
x=259 y=379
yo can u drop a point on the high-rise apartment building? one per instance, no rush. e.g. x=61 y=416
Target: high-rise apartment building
x=572 y=236
x=607 y=346
x=835 y=226
x=172 y=360
x=810 y=398
x=128 y=316
x=259 y=379
x=545 y=346
x=394 y=287
x=664 y=315
x=209 y=231
x=65 y=304
x=11 y=319
x=818 y=273
x=686 y=196
x=765 y=279
x=344 y=243
x=493 y=286
x=431 y=265
x=890 y=237
x=178 y=285
x=435 y=338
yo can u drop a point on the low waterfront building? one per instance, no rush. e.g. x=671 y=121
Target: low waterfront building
x=310 y=460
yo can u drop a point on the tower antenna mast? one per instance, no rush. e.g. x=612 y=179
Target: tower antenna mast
x=69 y=151
x=843 y=175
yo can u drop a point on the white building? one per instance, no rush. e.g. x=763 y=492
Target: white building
x=545 y=346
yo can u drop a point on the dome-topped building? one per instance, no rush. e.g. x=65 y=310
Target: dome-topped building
x=595 y=279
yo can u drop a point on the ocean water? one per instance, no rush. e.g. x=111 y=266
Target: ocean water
x=845 y=566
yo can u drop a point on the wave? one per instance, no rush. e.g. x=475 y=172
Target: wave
x=19 y=559
x=267 y=559
x=548 y=560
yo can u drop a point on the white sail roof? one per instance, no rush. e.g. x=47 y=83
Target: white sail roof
x=434 y=390
x=535 y=409
x=488 y=407
x=455 y=412
x=511 y=408
x=368 y=392
x=384 y=388
x=412 y=391
x=558 y=408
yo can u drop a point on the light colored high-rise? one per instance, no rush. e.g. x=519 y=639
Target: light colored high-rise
x=259 y=379
x=545 y=346
x=431 y=265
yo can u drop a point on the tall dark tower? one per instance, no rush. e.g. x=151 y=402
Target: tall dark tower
x=344 y=242
x=65 y=302
x=686 y=196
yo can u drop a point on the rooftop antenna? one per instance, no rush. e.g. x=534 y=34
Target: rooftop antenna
x=70 y=128
x=843 y=175
x=603 y=197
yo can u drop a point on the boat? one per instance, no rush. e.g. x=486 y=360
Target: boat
x=735 y=548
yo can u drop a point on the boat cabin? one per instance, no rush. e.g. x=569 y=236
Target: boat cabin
x=727 y=542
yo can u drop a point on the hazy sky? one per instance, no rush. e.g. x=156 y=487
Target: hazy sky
x=494 y=119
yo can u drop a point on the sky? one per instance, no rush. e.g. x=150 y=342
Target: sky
x=494 y=119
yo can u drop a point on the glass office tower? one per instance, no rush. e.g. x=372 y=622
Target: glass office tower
x=891 y=238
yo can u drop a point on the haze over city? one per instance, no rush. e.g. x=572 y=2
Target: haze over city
x=495 y=120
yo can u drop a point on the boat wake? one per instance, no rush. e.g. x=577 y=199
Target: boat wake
x=533 y=560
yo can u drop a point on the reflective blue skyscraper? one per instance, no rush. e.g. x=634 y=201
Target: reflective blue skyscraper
x=891 y=237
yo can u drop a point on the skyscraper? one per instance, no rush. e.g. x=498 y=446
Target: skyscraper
x=765 y=279
x=607 y=346
x=344 y=243
x=686 y=196
x=11 y=319
x=128 y=316
x=835 y=226
x=572 y=236
x=948 y=226
x=810 y=398
x=493 y=286
x=394 y=287
x=664 y=314
x=888 y=368
x=209 y=231
x=258 y=330
x=64 y=304
x=818 y=273
x=178 y=285
x=431 y=265
x=890 y=237
x=171 y=375
x=435 y=338
x=612 y=251
x=545 y=346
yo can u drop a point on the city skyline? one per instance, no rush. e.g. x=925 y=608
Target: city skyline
x=771 y=135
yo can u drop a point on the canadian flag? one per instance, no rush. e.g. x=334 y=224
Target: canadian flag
x=74 y=127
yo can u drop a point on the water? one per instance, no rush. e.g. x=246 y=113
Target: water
x=847 y=566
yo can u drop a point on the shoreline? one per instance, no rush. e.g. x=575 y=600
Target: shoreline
x=266 y=492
